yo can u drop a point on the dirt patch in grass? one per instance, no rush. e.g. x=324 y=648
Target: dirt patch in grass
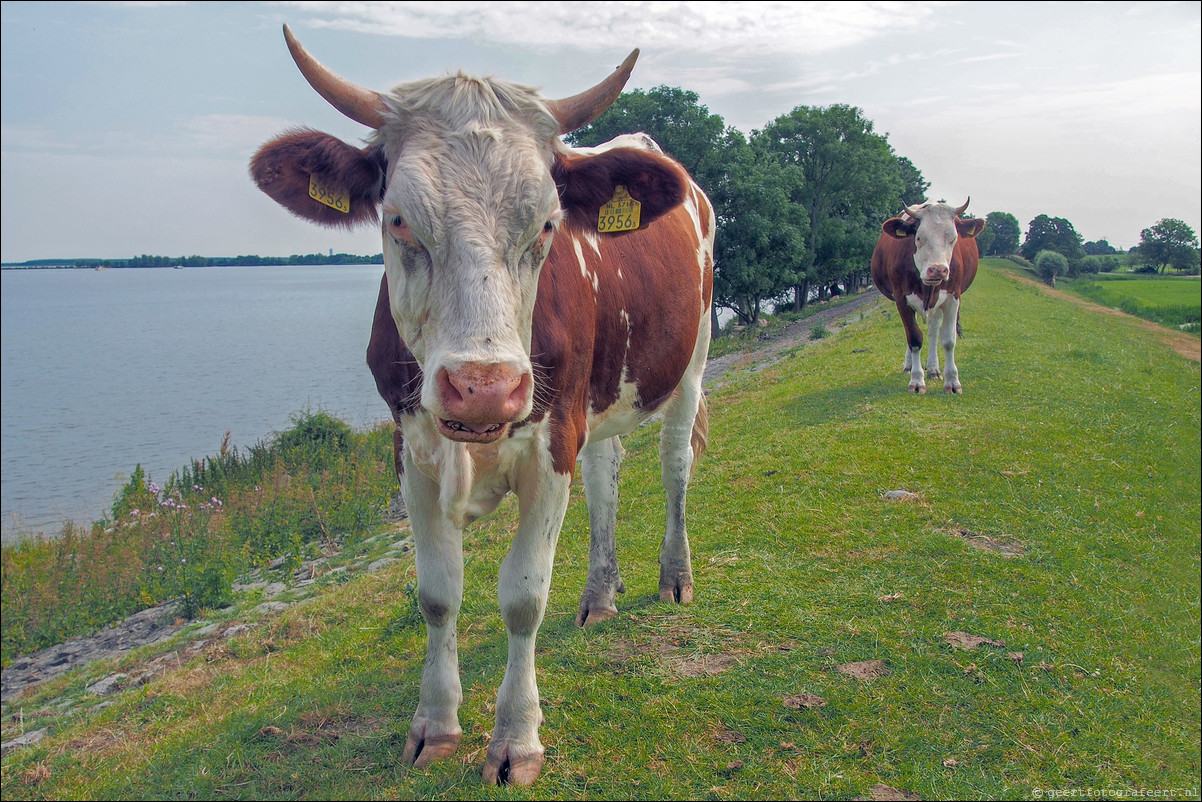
x=1179 y=342
x=864 y=670
x=804 y=701
x=1006 y=547
x=968 y=641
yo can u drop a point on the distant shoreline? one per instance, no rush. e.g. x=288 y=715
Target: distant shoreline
x=145 y=261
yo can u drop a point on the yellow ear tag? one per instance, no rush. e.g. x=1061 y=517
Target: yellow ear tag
x=620 y=213
x=900 y=233
x=329 y=197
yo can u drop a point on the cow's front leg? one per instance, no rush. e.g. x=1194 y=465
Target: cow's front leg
x=918 y=381
x=438 y=552
x=515 y=754
x=601 y=462
x=951 y=376
x=935 y=320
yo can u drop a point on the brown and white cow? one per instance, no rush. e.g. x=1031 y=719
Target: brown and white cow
x=511 y=337
x=924 y=261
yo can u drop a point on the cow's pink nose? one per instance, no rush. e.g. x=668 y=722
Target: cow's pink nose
x=937 y=272
x=475 y=393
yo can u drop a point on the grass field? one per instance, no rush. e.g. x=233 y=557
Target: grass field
x=1054 y=512
x=1172 y=301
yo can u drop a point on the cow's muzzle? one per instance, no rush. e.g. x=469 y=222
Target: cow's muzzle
x=935 y=275
x=478 y=402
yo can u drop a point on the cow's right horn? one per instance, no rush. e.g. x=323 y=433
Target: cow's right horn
x=361 y=105
x=961 y=209
x=578 y=111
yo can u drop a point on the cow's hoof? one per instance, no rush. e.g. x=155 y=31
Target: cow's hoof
x=422 y=751
x=503 y=768
x=590 y=615
x=920 y=389
x=953 y=389
x=680 y=593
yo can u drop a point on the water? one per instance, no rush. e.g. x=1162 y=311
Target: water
x=103 y=370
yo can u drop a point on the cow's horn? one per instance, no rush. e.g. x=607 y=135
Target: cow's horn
x=361 y=105
x=960 y=210
x=578 y=111
x=913 y=211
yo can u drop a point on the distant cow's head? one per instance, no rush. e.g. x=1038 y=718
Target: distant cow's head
x=935 y=228
x=470 y=183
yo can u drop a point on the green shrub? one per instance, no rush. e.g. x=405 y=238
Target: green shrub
x=1049 y=264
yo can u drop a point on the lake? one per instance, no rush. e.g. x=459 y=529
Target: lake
x=105 y=370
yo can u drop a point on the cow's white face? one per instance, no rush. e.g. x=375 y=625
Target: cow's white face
x=934 y=241
x=468 y=221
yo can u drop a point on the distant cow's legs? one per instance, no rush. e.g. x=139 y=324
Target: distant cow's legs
x=601 y=462
x=515 y=755
x=951 y=376
x=676 y=454
x=438 y=551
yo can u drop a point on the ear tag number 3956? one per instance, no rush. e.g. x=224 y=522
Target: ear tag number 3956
x=330 y=197
x=620 y=213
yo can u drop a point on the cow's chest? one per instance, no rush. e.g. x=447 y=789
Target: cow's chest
x=472 y=478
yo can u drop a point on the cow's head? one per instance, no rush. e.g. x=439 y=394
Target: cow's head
x=935 y=228
x=470 y=183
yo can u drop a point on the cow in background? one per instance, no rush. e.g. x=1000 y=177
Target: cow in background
x=538 y=302
x=924 y=261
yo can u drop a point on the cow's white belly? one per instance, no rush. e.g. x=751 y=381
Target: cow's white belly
x=621 y=417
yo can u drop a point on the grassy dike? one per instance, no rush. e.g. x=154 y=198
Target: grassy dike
x=1055 y=513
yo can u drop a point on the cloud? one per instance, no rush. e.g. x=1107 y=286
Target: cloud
x=713 y=27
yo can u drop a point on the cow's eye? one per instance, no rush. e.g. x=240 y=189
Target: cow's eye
x=548 y=227
x=400 y=231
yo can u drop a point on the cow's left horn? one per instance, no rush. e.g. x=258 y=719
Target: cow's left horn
x=578 y=111
x=960 y=210
x=361 y=105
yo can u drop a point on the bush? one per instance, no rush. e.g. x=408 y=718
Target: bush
x=1049 y=264
x=1099 y=264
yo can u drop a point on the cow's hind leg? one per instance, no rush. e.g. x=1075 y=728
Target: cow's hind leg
x=438 y=552
x=681 y=440
x=601 y=462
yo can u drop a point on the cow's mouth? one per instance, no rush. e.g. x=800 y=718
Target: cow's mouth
x=471 y=432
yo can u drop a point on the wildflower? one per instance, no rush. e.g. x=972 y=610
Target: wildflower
x=134 y=513
x=183 y=559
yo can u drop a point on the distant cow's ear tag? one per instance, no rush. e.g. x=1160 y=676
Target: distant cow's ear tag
x=620 y=213
x=900 y=233
x=330 y=197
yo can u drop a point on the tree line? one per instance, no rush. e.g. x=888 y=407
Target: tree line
x=146 y=260
x=800 y=202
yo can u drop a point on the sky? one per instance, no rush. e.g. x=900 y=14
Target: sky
x=127 y=127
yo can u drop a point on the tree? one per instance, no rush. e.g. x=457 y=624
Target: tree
x=851 y=182
x=1169 y=243
x=1049 y=264
x=1052 y=234
x=1098 y=248
x=760 y=249
x=1000 y=237
x=673 y=117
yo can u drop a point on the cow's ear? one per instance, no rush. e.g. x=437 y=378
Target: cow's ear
x=896 y=227
x=970 y=228
x=321 y=178
x=586 y=181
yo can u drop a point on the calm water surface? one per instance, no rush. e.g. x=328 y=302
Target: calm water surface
x=103 y=370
